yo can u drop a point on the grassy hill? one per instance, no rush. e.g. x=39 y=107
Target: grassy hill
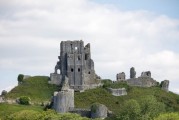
x=114 y=103
x=7 y=109
x=38 y=89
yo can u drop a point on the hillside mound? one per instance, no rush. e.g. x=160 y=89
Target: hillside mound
x=37 y=88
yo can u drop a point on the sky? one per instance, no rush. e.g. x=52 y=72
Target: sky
x=123 y=33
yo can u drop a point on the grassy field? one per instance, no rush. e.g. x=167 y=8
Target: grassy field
x=37 y=88
x=7 y=109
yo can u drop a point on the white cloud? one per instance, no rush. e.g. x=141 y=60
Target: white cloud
x=31 y=31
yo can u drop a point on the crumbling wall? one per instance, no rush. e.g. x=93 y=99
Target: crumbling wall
x=98 y=111
x=55 y=78
x=121 y=76
x=81 y=112
x=142 y=82
x=165 y=85
x=118 y=91
x=63 y=100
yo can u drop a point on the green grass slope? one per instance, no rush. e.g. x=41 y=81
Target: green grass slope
x=7 y=109
x=114 y=103
x=37 y=88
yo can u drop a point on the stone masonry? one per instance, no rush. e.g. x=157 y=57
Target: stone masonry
x=75 y=63
x=121 y=76
x=145 y=80
x=118 y=91
x=165 y=85
x=132 y=73
x=63 y=100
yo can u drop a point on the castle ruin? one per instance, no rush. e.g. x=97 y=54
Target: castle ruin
x=145 y=80
x=75 y=63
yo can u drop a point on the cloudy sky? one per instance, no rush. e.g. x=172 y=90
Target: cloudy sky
x=142 y=34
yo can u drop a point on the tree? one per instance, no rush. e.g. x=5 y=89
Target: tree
x=131 y=111
x=24 y=100
x=4 y=92
x=20 y=78
x=150 y=107
x=45 y=115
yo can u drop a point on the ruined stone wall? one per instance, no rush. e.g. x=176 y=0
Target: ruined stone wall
x=55 y=78
x=165 y=85
x=118 y=91
x=142 y=82
x=121 y=76
x=98 y=111
x=63 y=101
x=81 y=112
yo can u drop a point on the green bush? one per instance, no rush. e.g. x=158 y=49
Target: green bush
x=24 y=100
x=4 y=92
x=150 y=107
x=45 y=115
x=106 y=83
x=20 y=78
x=168 y=116
x=94 y=106
x=131 y=110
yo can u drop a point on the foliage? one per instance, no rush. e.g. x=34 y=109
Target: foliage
x=130 y=111
x=150 y=107
x=168 y=116
x=106 y=83
x=24 y=100
x=37 y=88
x=4 y=92
x=7 y=109
x=20 y=78
x=94 y=107
x=45 y=115
x=115 y=103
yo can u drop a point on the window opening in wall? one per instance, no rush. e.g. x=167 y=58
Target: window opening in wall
x=58 y=71
x=76 y=48
x=71 y=69
x=89 y=72
x=78 y=69
x=71 y=47
x=86 y=56
x=79 y=58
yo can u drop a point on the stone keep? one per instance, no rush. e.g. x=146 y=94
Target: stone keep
x=74 y=62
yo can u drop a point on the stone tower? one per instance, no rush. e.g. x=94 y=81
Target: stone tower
x=63 y=100
x=165 y=85
x=74 y=62
x=132 y=73
x=121 y=76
